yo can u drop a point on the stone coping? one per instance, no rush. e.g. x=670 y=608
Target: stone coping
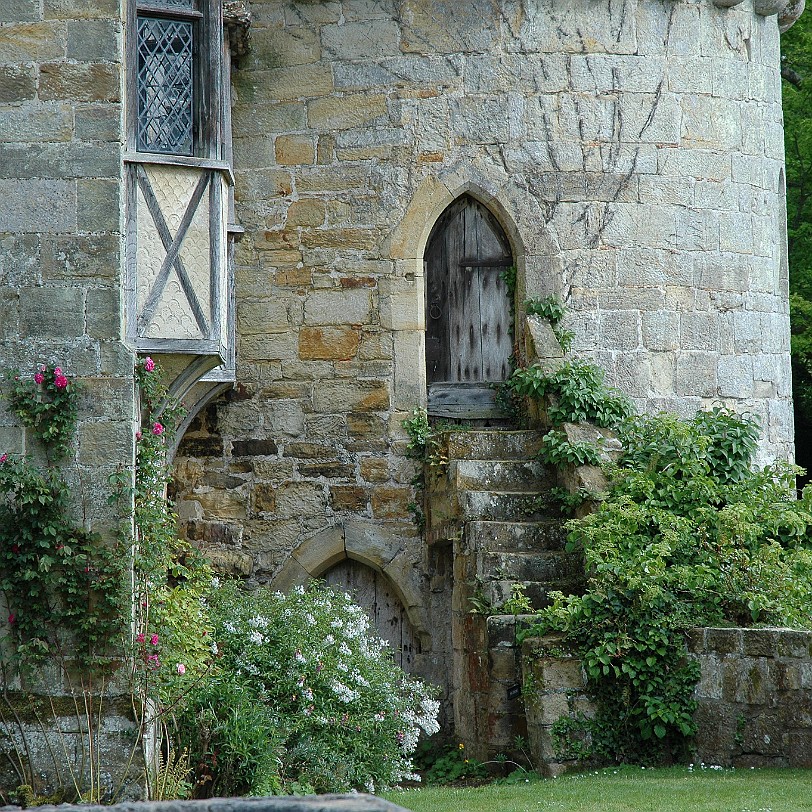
x=286 y=803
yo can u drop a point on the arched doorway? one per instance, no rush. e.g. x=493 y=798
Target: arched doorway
x=372 y=591
x=468 y=313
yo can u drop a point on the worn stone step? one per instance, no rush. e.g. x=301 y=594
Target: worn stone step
x=516 y=536
x=538 y=592
x=547 y=566
x=493 y=445
x=501 y=475
x=508 y=506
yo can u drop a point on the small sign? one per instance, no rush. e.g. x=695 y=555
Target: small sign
x=514 y=692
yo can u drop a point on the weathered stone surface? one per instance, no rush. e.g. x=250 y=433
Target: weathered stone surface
x=328 y=343
x=307 y=803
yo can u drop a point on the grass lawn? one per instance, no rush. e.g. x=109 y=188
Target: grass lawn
x=627 y=789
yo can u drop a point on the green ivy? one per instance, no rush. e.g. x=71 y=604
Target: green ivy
x=575 y=393
x=688 y=534
x=55 y=576
x=557 y=450
x=46 y=403
x=552 y=309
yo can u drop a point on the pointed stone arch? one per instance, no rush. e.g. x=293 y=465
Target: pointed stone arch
x=468 y=310
x=380 y=548
x=522 y=215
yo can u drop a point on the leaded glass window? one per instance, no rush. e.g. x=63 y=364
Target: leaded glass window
x=187 y=4
x=165 y=84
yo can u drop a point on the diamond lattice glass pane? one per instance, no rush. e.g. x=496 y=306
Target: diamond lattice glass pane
x=165 y=82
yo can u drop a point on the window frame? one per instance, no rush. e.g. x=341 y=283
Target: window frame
x=207 y=69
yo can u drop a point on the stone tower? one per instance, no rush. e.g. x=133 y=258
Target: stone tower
x=625 y=156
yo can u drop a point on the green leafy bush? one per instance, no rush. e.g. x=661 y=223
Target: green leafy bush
x=556 y=449
x=449 y=764
x=576 y=391
x=303 y=697
x=687 y=535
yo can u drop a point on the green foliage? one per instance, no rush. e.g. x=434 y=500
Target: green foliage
x=518 y=603
x=549 y=308
x=553 y=310
x=687 y=535
x=46 y=403
x=800 y=309
x=55 y=576
x=557 y=450
x=303 y=697
x=576 y=392
x=449 y=764
x=796 y=49
x=508 y=276
x=426 y=447
x=170 y=778
x=172 y=576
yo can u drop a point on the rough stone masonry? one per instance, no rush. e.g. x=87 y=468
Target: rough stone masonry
x=631 y=151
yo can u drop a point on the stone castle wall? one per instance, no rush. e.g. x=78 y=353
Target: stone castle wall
x=634 y=158
x=754 y=698
x=60 y=225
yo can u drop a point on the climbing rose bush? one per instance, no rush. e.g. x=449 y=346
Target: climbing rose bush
x=325 y=699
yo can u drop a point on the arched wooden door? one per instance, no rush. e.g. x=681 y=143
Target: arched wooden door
x=372 y=591
x=468 y=340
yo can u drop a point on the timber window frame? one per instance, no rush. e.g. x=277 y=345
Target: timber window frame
x=179 y=211
x=175 y=73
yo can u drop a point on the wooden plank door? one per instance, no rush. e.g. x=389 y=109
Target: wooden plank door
x=372 y=591
x=468 y=313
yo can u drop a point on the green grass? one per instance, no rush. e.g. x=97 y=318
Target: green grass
x=627 y=789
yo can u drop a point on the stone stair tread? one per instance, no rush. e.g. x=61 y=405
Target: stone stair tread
x=512 y=506
x=512 y=536
x=502 y=475
x=493 y=445
x=544 y=566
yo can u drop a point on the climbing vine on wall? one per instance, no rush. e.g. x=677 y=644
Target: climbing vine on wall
x=55 y=575
x=173 y=633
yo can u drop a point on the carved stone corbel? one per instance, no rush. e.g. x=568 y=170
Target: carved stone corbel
x=237 y=21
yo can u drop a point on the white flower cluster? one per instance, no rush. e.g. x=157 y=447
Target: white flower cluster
x=343 y=692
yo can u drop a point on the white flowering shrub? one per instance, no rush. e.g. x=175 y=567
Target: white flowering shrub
x=342 y=715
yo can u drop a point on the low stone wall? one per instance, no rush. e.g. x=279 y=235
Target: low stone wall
x=754 y=697
x=309 y=803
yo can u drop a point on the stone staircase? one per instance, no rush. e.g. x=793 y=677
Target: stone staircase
x=491 y=502
x=496 y=495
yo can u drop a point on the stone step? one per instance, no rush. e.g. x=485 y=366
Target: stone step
x=548 y=566
x=493 y=445
x=508 y=506
x=538 y=592
x=520 y=537
x=501 y=475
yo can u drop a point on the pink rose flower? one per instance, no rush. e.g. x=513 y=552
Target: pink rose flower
x=157 y=429
x=11 y=618
x=154 y=640
x=181 y=669
x=149 y=364
x=38 y=377
x=57 y=371
x=139 y=638
x=60 y=381
x=3 y=458
x=138 y=435
x=41 y=367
